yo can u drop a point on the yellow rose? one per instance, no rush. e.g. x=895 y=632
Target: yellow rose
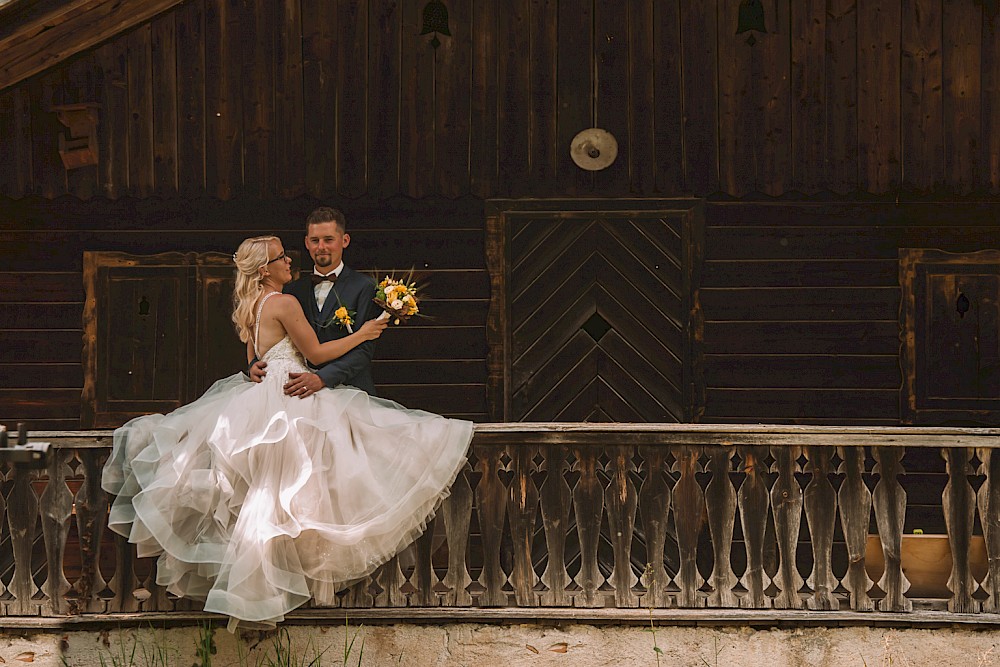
x=341 y=313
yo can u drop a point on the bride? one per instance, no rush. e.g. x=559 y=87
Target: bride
x=256 y=502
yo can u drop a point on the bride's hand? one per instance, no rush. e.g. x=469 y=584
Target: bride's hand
x=372 y=329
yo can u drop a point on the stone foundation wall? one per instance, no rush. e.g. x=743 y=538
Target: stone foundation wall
x=533 y=645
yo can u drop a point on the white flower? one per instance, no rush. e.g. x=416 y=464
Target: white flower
x=396 y=304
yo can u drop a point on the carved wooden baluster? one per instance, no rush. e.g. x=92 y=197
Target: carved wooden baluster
x=855 y=502
x=786 y=504
x=389 y=578
x=654 y=506
x=91 y=517
x=959 y=504
x=754 y=502
x=620 y=499
x=457 y=510
x=522 y=508
x=720 y=499
x=491 y=505
x=689 y=514
x=5 y=470
x=21 y=519
x=588 y=501
x=57 y=508
x=555 y=499
x=821 y=515
x=124 y=583
x=423 y=578
x=989 y=515
x=890 y=511
x=358 y=596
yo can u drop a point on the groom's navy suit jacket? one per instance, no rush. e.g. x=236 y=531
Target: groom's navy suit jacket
x=355 y=291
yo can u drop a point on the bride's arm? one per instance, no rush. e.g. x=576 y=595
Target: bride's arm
x=289 y=313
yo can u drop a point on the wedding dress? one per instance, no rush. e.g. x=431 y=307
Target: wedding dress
x=255 y=501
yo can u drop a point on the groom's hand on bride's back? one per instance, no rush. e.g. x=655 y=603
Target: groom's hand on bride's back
x=257 y=371
x=303 y=384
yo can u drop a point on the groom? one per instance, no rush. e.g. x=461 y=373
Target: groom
x=330 y=286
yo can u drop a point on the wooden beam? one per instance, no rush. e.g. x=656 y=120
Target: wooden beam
x=48 y=32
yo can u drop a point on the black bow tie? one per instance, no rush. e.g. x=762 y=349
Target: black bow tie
x=332 y=278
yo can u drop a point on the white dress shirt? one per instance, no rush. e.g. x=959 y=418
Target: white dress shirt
x=322 y=290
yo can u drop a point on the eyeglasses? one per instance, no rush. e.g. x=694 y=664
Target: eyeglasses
x=272 y=261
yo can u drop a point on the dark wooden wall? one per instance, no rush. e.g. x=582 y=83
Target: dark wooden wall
x=436 y=363
x=279 y=99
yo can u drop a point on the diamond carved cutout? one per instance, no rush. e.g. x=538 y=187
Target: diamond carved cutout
x=596 y=327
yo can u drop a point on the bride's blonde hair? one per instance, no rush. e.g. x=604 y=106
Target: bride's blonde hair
x=250 y=257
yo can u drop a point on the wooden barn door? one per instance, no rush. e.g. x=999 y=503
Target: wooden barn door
x=590 y=310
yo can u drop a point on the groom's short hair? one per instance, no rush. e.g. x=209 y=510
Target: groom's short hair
x=327 y=214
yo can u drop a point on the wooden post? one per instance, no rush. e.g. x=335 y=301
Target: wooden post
x=620 y=499
x=821 y=516
x=491 y=506
x=556 y=499
x=720 y=499
x=21 y=519
x=890 y=510
x=989 y=516
x=689 y=516
x=588 y=500
x=457 y=509
x=57 y=508
x=754 y=505
x=855 y=514
x=959 y=504
x=91 y=518
x=654 y=506
x=522 y=508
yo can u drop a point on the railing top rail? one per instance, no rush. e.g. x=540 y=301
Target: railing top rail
x=577 y=433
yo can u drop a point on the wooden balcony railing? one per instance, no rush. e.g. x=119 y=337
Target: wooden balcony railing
x=586 y=516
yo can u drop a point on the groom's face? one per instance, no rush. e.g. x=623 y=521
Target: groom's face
x=325 y=242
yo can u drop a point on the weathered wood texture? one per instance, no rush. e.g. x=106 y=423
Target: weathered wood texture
x=347 y=98
x=639 y=497
x=801 y=307
x=435 y=363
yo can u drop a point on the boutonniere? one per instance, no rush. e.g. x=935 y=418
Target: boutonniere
x=342 y=317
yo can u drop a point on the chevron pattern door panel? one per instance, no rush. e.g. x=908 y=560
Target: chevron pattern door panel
x=590 y=317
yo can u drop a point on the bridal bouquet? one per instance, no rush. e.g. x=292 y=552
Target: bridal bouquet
x=398 y=298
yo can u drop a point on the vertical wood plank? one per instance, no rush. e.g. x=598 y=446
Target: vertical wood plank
x=921 y=101
x=878 y=95
x=991 y=96
x=189 y=21
x=49 y=175
x=989 y=515
x=17 y=144
x=739 y=115
x=113 y=128
x=808 y=92
x=621 y=500
x=56 y=507
x=821 y=516
x=855 y=501
x=522 y=508
x=786 y=504
x=257 y=82
x=754 y=504
x=654 y=507
x=319 y=94
x=770 y=72
x=484 y=102
x=963 y=25
x=689 y=517
x=163 y=51
x=21 y=521
x=223 y=98
x=352 y=66
x=385 y=17
x=457 y=509
x=416 y=133
x=513 y=118
x=720 y=499
x=491 y=505
x=890 y=511
x=543 y=146
x=959 y=504
x=140 y=107
x=91 y=511
x=611 y=74
x=289 y=127
x=452 y=82
x=574 y=89
x=83 y=83
x=699 y=37
x=588 y=503
x=668 y=145
x=841 y=88
x=641 y=97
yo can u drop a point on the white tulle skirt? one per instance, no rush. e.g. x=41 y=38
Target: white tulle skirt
x=256 y=502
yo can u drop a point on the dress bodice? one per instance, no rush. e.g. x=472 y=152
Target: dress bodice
x=283 y=357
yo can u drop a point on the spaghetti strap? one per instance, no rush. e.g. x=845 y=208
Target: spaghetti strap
x=256 y=326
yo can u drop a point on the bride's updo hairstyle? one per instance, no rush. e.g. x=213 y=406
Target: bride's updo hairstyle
x=250 y=258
